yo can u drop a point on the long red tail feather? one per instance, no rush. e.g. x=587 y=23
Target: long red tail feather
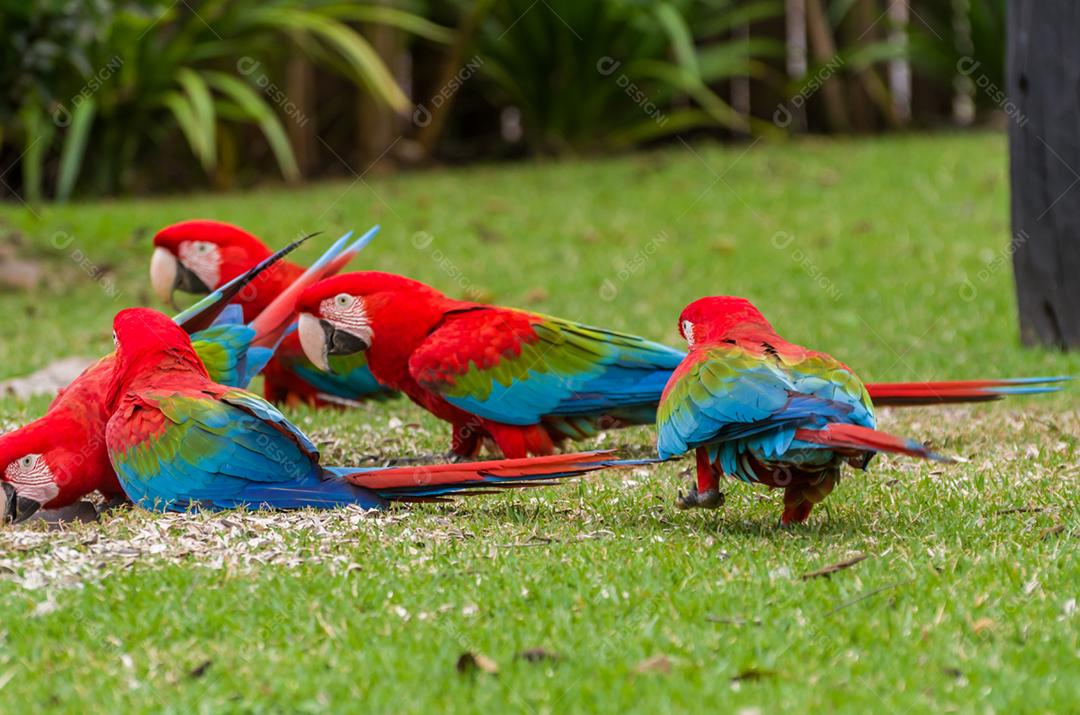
x=847 y=436
x=482 y=477
x=897 y=394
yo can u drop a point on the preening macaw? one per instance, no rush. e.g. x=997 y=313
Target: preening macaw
x=523 y=379
x=180 y=441
x=61 y=457
x=757 y=408
x=198 y=256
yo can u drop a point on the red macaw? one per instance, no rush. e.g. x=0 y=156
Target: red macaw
x=180 y=441
x=525 y=380
x=61 y=457
x=198 y=256
x=755 y=407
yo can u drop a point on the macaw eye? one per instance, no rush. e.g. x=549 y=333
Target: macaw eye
x=687 y=331
x=203 y=247
x=33 y=477
x=343 y=300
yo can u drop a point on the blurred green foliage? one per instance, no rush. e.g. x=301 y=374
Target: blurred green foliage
x=945 y=41
x=103 y=84
x=613 y=73
x=101 y=97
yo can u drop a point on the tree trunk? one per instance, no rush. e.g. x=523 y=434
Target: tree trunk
x=378 y=127
x=900 y=68
x=823 y=49
x=431 y=124
x=797 y=62
x=300 y=112
x=1044 y=149
x=859 y=31
x=740 y=85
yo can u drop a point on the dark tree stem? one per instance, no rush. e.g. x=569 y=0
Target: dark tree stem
x=1043 y=105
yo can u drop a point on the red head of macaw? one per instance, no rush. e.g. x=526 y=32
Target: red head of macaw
x=197 y=256
x=524 y=380
x=60 y=457
x=757 y=408
x=339 y=315
x=201 y=255
x=714 y=318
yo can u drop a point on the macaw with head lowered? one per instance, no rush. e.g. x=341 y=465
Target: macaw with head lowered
x=198 y=256
x=180 y=441
x=757 y=408
x=61 y=457
x=525 y=380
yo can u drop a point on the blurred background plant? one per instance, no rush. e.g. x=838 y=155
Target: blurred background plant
x=120 y=96
x=970 y=41
x=614 y=73
x=92 y=90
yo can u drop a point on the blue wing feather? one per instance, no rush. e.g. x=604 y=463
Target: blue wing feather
x=238 y=450
x=598 y=371
x=752 y=404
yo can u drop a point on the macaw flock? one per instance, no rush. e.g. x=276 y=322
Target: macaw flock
x=166 y=423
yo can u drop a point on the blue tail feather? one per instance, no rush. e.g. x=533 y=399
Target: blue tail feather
x=327 y=493
x=365 y=239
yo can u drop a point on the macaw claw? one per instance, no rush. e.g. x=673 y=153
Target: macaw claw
x=711 y=499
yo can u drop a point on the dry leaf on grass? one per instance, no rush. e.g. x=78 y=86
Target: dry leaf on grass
x=733 y=620
x=656 y=664
x=833 y=568
x=752 y=674
x=469 y=662
x=1051 y=531
x=535 y=655
x=200 y=670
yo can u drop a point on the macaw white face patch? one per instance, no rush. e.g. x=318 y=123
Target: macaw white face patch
x=32 y=478
x=347 y=312
x=203 y=259
x=688 y=332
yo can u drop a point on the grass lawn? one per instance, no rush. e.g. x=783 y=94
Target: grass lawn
x=890 y=253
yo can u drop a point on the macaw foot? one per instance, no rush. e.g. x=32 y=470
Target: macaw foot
x=790 y=520
x=711 y=499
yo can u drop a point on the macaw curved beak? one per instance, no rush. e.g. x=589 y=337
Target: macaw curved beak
x=168 y=275
x=163 y=271
x=16 y=508
x=320 y=339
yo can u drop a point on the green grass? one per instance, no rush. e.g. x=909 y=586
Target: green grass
x=887 y=253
